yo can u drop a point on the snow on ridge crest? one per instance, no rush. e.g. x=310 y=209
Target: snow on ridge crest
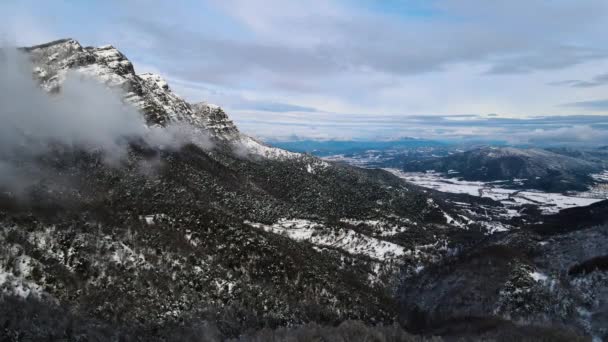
x=147 y=92
x=157 y=79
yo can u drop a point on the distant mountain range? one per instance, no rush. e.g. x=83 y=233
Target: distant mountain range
x=324 y=148
x=532 y=168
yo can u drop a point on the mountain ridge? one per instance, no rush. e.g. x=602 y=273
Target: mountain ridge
x=535 y=168
x=224 y=242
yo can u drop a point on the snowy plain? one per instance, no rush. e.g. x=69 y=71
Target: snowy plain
x=548 y=203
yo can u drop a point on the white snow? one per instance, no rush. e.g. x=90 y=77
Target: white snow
x=381 y=227
x=494 y=226
x=538 y=276
x=152 y=218
x=160 y=82
x=450 y=220
x=602 y=176
x=548 y=203
x=124 y=255
x=344 y=239
x=310 y=169
x=254 y=147
x=18 y=286
x=600 y=188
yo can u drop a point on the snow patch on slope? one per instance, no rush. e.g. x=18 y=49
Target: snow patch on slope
x=601 y=177
x=538 y=276
x=18 y=286
x=344 y=239
x=381 y=227
x=254 y=147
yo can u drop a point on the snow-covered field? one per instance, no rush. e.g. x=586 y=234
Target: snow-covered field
x=547 y=202
x=602 y=176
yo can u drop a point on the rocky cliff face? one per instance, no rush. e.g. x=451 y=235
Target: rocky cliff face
x=147 y=92
x=216 y=120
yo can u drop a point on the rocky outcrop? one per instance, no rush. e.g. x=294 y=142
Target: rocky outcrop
x=148 y=92
x=216 y=120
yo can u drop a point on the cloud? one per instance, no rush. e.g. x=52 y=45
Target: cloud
x=219 y=61
x=231 y=100
x=459 y=31
x=446 y=57
x=557 y=57
x=564 y=136
x=84 y=115
x=273 y=107
x=546 y=130
x=580 y=134
x=595 y=105
x=596 y=81
x=301 y=39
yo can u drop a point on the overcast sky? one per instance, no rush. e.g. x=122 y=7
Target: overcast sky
x=356 y=68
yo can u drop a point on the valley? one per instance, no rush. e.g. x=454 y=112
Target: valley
x=548 y=203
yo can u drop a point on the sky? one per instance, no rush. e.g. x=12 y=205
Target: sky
x=358 y=69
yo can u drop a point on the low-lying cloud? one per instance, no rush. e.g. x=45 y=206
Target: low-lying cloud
x=596 y=81
x=594 y=105
x=83 y=115
x=582 y=134
x=540 y=130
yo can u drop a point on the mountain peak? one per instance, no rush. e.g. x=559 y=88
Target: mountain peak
x=147 y=92
x=63 y=41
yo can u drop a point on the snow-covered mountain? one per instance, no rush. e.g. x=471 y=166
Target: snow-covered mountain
x=535 y=168
x=238 y=237
x=147 y=92
x=194 y=243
